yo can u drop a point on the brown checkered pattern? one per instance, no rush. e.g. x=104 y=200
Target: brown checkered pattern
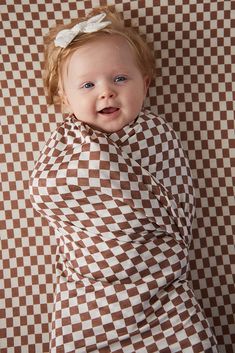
x=194 y=47
x=122 y=206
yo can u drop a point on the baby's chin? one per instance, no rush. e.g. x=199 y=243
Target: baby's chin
x=112 y=128
x=109 y=129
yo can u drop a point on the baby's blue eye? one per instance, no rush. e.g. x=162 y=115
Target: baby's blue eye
x=120 y=78
x=88 y=85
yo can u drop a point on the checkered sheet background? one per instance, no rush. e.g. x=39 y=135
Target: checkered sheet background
x=194 y=44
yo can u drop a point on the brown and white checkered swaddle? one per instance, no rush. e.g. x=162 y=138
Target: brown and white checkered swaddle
x=122 y=205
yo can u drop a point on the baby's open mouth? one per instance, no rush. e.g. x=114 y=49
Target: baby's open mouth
x=108 y=110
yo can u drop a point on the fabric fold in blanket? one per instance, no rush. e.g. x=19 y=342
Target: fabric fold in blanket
x=122 y=206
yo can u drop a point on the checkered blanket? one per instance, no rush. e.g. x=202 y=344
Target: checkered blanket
x=122 y=205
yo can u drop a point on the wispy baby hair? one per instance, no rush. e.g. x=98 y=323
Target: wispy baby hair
x=55 y=56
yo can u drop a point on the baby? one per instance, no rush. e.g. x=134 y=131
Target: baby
x=114 y=182
x=101 y=76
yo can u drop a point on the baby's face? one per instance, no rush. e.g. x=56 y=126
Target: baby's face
x=102 y=84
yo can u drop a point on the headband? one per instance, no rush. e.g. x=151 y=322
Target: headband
x=93 y=24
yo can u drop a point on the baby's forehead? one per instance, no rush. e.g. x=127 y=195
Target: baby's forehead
x=113 y=43
x=111 y=50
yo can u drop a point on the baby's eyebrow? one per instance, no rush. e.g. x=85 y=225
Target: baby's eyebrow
x=82 y=77
x=91 y=76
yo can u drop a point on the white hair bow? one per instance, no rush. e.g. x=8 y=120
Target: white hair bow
x=93 y=24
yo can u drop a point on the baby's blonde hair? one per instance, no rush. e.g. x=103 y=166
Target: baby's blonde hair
x=55 y=56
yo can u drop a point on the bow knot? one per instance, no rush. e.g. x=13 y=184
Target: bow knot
x=93 y=24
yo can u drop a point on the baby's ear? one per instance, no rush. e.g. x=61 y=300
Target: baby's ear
x=146 y=83
x=63 y=97
x=61 y=92
x=65 y=106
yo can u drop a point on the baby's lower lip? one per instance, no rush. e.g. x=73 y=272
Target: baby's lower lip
x=109 y=113
x=108 y=110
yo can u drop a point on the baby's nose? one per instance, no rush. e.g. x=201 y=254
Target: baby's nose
x=107 y=93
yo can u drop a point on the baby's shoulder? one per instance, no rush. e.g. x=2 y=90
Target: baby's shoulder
x=157 y=126
x=72 y=132
x=75 y=137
